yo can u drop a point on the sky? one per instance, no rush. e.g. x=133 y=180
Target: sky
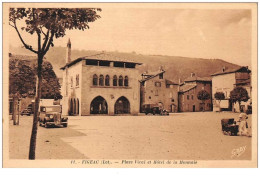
x=200 y=33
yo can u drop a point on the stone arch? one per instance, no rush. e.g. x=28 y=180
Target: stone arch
x=101 y=80
x=122 y=106
x=77 y=106
x=98 y=106
x=126 y=81
x=107 y=79
x=74 y=107
x=120 y=80
x=95 y=80
x=71 y=107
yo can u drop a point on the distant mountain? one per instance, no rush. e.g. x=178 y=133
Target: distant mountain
x=176 y=67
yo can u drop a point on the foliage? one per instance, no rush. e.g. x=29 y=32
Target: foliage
x=219 y=96
x=239 y=94
x=203 y=95
x=48 y=23
x=21 y=79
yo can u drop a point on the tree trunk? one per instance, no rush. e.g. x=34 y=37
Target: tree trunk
x=239 y=104
x=15 y=102
x=36 y=108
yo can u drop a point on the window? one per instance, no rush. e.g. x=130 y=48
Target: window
x=188 y=97
x=126 y=81
x=120 y=82
x=77 y=80
x=95 y=80
x=156 y=93
x=150 y=97
x=161 y=76
x=192 y=97
x=157 y=84
x=114 y=80
x=101 y=80
x=71 y=81
x=107 y=80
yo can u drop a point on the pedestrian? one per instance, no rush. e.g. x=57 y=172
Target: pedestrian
x=243 y=125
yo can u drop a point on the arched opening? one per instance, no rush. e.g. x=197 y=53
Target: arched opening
x=95 y=80
x=120 y=82
x=77 y=106
x=101 y=80
x=122 y=106
x=74 y=107
x=71 y=107
x=114 y=80
x=126 y=81
x=98 y=106
x=107 y=80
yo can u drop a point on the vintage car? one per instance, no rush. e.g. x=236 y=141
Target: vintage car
x=164 y=112
x=154 y=109
x=229 y=127
x=27 y=112
x=51 y=116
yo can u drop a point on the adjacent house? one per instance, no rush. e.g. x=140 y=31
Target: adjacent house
x=188 y=91
x=155 y=89
x=225 y=80
x=100 y=84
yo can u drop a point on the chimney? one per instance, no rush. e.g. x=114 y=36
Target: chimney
x=68 y=53
x=223 y=69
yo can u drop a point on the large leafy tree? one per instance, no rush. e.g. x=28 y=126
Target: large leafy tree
x=219 y=96
x=21 y=83
x=239 y=94
x=203 y=95
x=47 y=24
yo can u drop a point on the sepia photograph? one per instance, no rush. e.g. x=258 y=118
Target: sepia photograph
x=123 y=85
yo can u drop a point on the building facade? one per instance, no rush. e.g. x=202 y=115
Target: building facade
x=155 y=89
x=188 y=94
x=100 y=84
x=225 y=81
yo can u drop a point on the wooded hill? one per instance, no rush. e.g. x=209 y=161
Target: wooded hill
x=176 y=67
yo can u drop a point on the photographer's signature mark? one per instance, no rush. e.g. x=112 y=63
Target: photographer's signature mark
x=238 y=151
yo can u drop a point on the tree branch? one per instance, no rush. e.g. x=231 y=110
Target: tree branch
x=25 y=45
x=49 y=43
x=46 y=40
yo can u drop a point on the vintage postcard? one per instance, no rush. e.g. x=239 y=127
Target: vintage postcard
x=147 y=85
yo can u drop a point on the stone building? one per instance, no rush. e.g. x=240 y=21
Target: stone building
x=100 y=84
x=225 y=81
x=155 y=89
x=188 y=100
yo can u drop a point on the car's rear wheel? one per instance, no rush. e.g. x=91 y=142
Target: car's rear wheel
x=45 y=124
x=65 y=124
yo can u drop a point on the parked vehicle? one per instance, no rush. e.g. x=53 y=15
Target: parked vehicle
x=51 y=116
x=154 y=109
x=164 y=112
x=229 y=127
x=26 y=112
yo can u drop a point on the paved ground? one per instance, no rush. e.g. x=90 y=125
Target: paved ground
x=178 y=136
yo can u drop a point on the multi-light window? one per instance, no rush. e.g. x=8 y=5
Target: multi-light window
x=117 y=81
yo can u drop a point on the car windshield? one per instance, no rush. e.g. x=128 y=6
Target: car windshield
x=53 y=109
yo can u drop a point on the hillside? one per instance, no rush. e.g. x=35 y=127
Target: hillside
x=176 y=67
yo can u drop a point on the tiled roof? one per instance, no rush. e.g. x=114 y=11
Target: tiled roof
x=196 y=78
x=101 y=56
x=230 y=70
x=151 y=75
x=187 y=87
x=169 y=82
